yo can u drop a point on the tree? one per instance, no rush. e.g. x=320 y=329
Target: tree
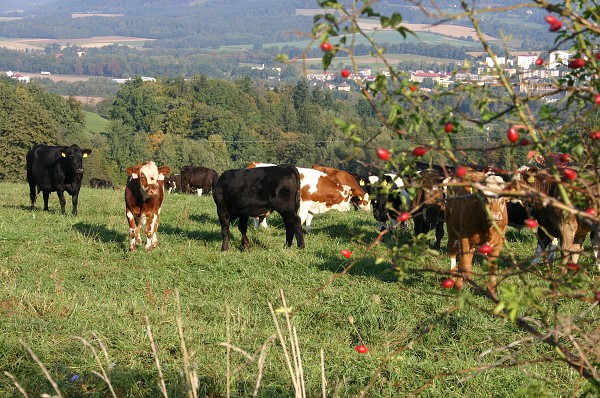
x=555 y=310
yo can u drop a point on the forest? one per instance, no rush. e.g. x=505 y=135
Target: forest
x=214 y=123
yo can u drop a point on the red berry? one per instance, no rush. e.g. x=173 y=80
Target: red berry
x=597 y=55
x=419 y=151
x=572 y=266
x=597 y=296
x=539 y=62
x=345 y=73
x=555 y=26
x=591 y=211
x=597 y=99
x=524 y=142
x=447 y=283
x=531 y=223
x=460 y=171
x=326 y=46
x=448 y=127
x=565 y=157
x=403 y=217
x=595 y=135
x=485 y=248
x=512 y=134
x=551 y=19
x=361 y=349
x=413 y=88
x=570 y=174
x=346 y=253
x=576 y=63
x=383 y=154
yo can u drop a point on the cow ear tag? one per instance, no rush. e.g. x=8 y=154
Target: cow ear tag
x=85 y=155
x=531 y=179
x=384 y=183
x=134 y=176
x=63 y=155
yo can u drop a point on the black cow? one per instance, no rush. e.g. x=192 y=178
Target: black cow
x=100 y=183
x=389 y=198
x=198 y=178
x=243 y=193
x=173 y=183
x=428 y=204
x=55 y=168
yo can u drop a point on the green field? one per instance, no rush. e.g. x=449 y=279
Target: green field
x=72 y=294
x=95 y=123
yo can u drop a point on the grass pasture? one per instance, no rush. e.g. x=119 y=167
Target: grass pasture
x=69 y=290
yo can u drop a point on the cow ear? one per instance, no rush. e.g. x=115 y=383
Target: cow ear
x=164 y=170
x=133 y=171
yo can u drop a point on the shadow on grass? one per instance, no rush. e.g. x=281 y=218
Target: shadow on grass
x=100 y=233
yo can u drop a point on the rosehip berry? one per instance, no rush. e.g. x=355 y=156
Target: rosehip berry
x=448 y=127
x=361 y=349
x=512 y=134
x=570 y=174
x=572 y=266
x=577 y=63
x=595 y=135
x=539 y=62
x=597 y=99
x=555 y=26
x=591 y=211
x=565 y=157
x=460 y=171
x=326 y=46
x=447 y=283
x=524 y=142
x=419 y=151
x=346 y=253
x=550 y=19
x=345 y=73
x=413 y=88
x=383 y=154
x=485 y=248
x=403 y=217
x=531 y=223
x=597 y=296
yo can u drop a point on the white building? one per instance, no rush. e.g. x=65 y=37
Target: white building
x=525 y=61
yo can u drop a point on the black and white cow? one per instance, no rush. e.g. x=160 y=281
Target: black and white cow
x=198 y=179
x=244 y=193
x=55 y=169
x=173 y=183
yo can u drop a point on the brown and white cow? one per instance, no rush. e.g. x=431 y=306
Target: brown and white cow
x=144 y=195
x=359 y=197
x=475 y=217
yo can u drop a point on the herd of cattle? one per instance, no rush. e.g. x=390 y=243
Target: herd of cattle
x=475 y=205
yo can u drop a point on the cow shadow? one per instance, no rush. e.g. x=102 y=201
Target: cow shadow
x=168 y=229
x=100 y=233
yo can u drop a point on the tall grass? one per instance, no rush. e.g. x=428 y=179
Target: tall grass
x=189 y=320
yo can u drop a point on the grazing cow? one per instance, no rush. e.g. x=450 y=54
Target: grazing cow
x=173 y=183
x=469 y=226
x=55 y=168
x=570 y=229
x=389 y=198
x=243 y=193
x=319 y=194
x=144 y=195
x=428 y=205
x=101 y=184
x=199 y=179
x=360 y=198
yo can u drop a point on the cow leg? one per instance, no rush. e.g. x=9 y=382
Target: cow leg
x=224 y=231
x=62 y=200
x=465 y=265
x=32 y=194
x=577 y=247
x=493 y=269
x=293 y=226
x=199 y=191
x=46 y=197
x=134 y=231
x=309 y=218
x=595 y=239
x=151 y=228
x=75 y=201
x=243 y=227
x=568 y=245
x=439 y=235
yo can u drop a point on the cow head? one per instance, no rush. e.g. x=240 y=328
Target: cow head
x=74 y=156
x=149 y=177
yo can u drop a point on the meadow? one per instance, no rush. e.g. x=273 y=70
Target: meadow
x=75 y=304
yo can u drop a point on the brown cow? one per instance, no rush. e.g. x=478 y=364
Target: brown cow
x=469 y=225
x=144 y=195
x=570 y=229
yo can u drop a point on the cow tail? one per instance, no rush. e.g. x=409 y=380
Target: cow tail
x=296 y=174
